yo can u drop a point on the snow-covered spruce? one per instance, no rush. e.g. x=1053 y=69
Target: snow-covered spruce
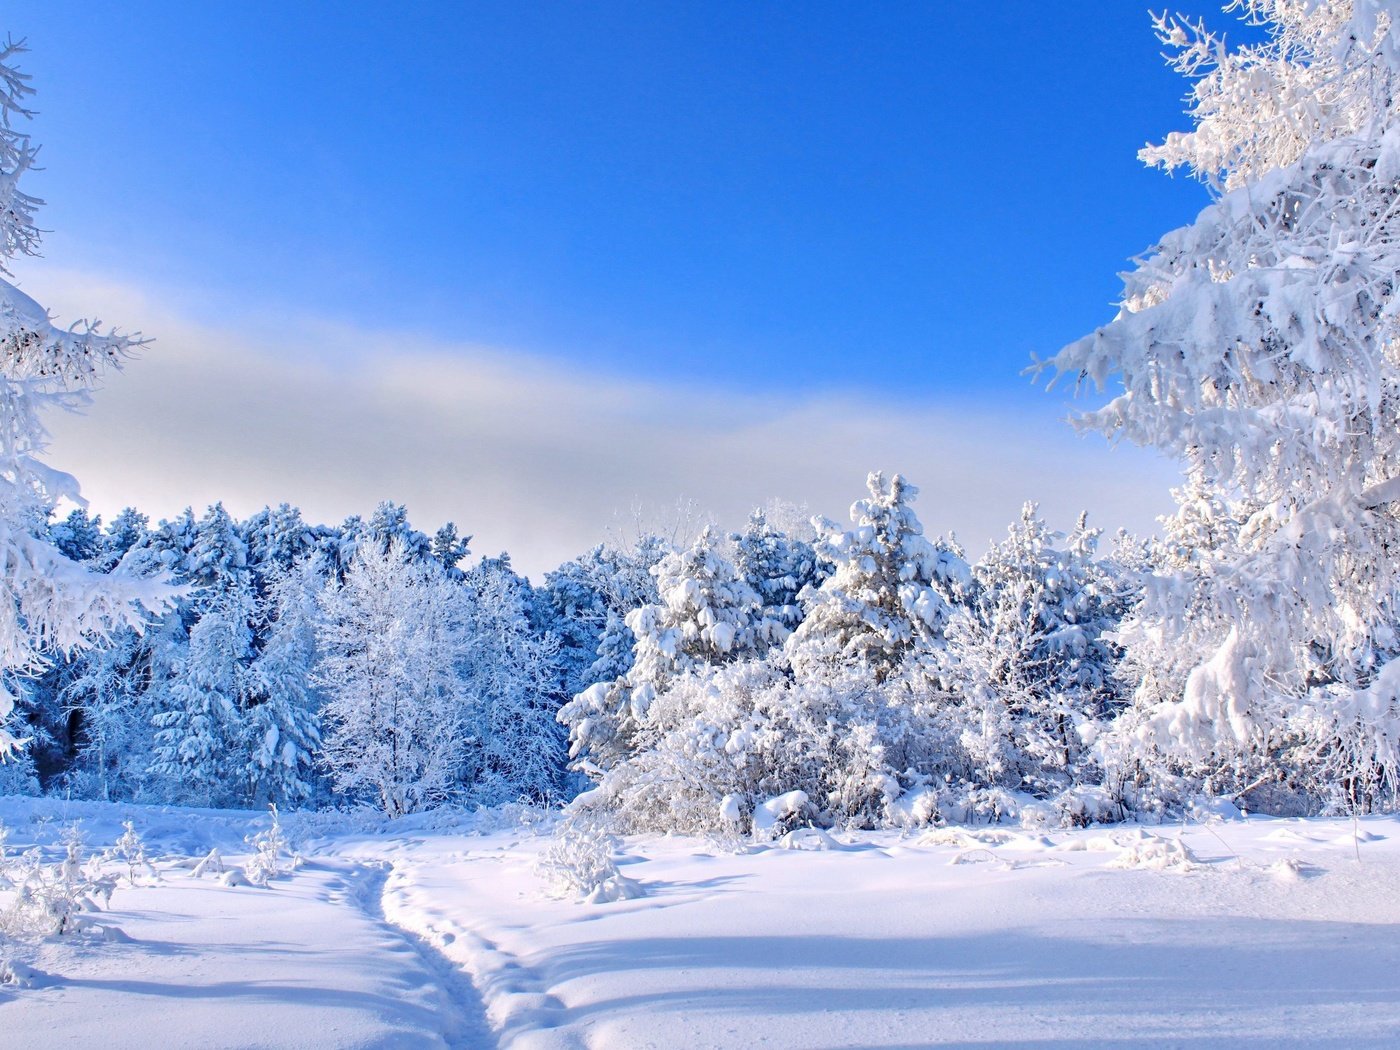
x=1258 y=344
x=49 y=603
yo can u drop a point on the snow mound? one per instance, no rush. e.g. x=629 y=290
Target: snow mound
x=1285 y=835
x=966 y=838
x=614 y=889
x=18 y=975
x=1352 y=838
x=1289 y=870
x=981 y=855
x=1156 y=854
x=767 y=815
x=808 y=839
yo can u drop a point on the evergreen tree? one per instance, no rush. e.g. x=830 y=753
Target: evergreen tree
x=705 y=614
x=779 y=568
x=127 y=530
x=49 y=603
x=890 y=595
x=389 y=524
x=283 y=725
x=277 y=540
x=392 y=639
x=1029 y=659
x=509 y=675
x=450 y=548
x=110 y=698
x=77 y=536
x=1257 y=345
x=200 y=731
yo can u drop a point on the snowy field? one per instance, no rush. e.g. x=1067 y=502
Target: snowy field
x=440 y=931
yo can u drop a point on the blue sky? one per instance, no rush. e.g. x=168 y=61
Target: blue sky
x=899 y=203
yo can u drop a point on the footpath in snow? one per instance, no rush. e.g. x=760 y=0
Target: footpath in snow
x=423 y=933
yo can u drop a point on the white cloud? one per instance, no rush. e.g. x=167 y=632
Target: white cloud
x=525 y=453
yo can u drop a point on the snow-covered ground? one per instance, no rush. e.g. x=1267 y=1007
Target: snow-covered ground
x=439 y=931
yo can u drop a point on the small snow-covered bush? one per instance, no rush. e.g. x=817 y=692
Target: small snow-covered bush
x=982 y=805
x=271 y=856
x=50 y=898
x=579 y=863
x=131 y=851
x=212 y=864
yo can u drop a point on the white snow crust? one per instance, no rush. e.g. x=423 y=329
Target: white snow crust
x=438 y=930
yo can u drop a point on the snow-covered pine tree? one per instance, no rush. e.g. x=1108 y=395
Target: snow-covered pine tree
x=217 y=561
x=572 y=607
x=891 y=592
x=389 y=524
x=128 y=529
x=509 y=680
x=625 y=581
x=200 y=739
x=704 y=615
x=779 y=568
x=1028 y=661
x=283 y=724
x=392 y=640
x=622 y=582
x=278 y=540
x=48 y=602
x=1259 y=345
x=450 y=548
x=200 y=734
x=78 y=536
x=110 y=702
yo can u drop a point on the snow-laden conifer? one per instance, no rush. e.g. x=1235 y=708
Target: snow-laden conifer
x=283 y=725
x=200 y=730
x=705 y=615
x=1259 y=345
x=889 y=595
x=779 y=567
x=48 y=602
x=509 y=672
x=1028 y=658
x=392 y=639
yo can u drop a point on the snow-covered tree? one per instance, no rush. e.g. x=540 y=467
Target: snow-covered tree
x=217 y=561
x=705 y=615
x=585 y=602
x=110 y=701
x=277 y=540
x=573 y=607
x=622 y=582
x=126 y=530
x=392 y=639
x=48 y=602
x=1259 y=344
x=390 y=524
x=508 y=683
x=890 y=593
x=450 y=548
x=779 y=567
x=283 y=724
x=1028 y=658
x=200 y=717
x=78 y=536
x=200 y=729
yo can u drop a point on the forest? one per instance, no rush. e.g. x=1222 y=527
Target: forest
x=853 y=674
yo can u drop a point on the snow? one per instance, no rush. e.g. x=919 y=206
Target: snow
x=307 y=962
x=439 y=930
x=778 y=808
